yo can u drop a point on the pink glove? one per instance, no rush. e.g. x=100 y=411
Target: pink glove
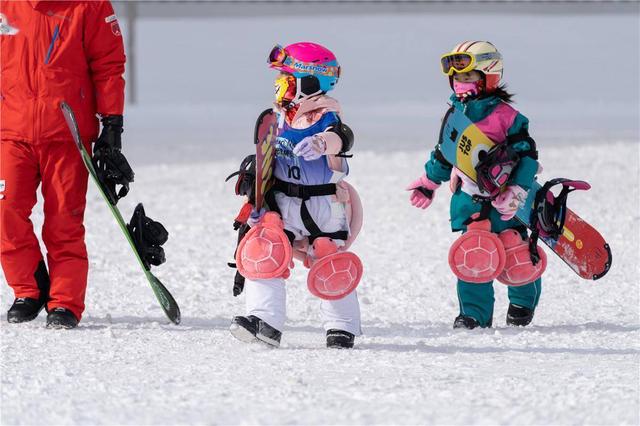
x=423 y=191
x=509 y=201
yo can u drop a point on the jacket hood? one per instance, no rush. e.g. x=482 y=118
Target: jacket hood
x=324 y=102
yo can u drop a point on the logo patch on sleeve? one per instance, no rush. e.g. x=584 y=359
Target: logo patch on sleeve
x=110 y=19
x=115 y=29
x=5 y=28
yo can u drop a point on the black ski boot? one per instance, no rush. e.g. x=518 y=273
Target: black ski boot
x=60 y=318
x=251 y=329
x=340 y=339
x=24 y=309
x=244 y=328
x=463 y=321
x=519 y=316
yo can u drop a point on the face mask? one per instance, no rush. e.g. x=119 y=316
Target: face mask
x=463 y=90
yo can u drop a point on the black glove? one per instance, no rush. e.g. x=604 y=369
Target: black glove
x=110 y=164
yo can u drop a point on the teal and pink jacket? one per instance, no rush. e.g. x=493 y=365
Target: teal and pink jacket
x=503 y=124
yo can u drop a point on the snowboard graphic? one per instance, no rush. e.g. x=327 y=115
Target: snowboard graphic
x=167 y=302
x=578 y=244
x=265 y=137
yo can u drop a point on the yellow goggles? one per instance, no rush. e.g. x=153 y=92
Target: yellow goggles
x=459 y=62
x=285 y=86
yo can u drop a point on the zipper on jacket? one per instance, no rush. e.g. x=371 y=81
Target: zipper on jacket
x=53 y=41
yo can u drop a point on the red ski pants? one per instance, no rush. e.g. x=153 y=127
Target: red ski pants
x=57 y=166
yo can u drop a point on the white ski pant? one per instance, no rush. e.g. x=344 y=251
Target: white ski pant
x=267 y=299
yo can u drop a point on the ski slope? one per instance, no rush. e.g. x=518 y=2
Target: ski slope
x=125 y=364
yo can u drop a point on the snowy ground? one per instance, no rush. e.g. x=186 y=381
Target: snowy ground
x=578 y=363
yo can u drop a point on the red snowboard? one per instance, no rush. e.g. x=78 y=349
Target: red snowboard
x=582 y=248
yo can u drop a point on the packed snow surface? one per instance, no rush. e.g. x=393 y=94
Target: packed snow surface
x=125 y=364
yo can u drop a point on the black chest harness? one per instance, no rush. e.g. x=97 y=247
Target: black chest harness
x=305 y=192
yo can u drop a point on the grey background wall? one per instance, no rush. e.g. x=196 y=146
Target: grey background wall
x=201 y=76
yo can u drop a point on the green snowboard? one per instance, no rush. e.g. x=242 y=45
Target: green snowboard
x=167 y=302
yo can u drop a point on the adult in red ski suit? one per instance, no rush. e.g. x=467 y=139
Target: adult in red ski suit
x=52 y=51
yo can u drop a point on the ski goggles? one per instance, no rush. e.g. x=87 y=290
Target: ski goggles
x=460 y=62
x=286 y=89
x=494 y=169
x=279 y=58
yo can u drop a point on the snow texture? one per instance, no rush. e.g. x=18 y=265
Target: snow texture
x=577 y=364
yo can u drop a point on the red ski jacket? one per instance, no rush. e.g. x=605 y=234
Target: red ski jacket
x=58 y=50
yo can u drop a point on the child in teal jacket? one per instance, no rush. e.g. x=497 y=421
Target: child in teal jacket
x=475 y=70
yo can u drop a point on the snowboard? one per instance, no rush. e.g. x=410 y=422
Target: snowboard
x=167 y=302
x=266 y=132
x=579 y=244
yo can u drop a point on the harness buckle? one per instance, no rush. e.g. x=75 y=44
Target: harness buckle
x=295 y=190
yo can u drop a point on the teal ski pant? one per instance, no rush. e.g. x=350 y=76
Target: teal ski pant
x=476 y=300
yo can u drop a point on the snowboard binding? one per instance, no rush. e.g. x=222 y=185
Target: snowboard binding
x=246 y=182
x=550 y=211
x=148 y=237
x=245 y=186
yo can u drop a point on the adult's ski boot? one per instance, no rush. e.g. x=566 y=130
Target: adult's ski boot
x=24 y=309
x=251 y=329
x=61 y=318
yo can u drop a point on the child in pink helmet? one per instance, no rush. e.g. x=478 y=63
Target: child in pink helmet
x=311 y=213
